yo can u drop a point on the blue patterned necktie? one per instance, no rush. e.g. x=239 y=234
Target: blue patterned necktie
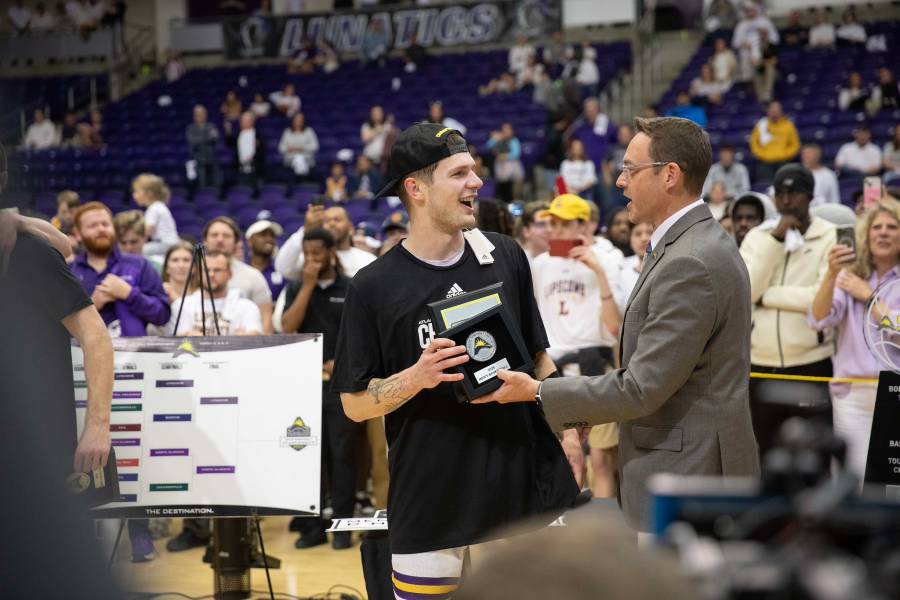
x=648 y=256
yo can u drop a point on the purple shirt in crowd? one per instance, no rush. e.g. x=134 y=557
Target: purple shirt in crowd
x=274 y=279
x=147 y=303
x=853 y=358
x=596 y=140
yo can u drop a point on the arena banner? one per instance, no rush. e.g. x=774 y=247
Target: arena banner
x=436 y=26
x=215 y=426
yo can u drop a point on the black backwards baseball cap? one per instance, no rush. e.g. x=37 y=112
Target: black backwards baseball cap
x=419 y=146
x=794 y=177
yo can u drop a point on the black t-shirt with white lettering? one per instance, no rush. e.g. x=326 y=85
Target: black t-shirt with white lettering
x=458 y=471
x=37 y=292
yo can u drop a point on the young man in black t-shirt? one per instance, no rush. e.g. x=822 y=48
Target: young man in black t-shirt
x=458 y=471
x=42 y=305
x=314 y=305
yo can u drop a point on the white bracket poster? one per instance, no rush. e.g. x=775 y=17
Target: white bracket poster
x=214 y=426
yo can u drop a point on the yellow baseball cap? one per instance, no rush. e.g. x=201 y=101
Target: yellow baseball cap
x=568 y=207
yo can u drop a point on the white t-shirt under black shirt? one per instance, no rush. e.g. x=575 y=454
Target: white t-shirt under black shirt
x=160 y=218
x=235 y=313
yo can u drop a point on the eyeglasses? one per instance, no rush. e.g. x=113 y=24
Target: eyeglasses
x=629 y=170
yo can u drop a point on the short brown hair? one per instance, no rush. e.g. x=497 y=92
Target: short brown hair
x=226 y=221
x=217 y=254
x=129 y=220
x=69 y=198
x=88 y=207
x=682 y=142
x=530 y=211
x=425 y=174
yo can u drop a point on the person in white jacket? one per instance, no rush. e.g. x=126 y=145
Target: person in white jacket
x=787 y=260
x=298 y=146
x=41 y=134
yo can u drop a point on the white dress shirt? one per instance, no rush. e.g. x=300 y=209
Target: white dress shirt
x=826 y=190
x=658 y=233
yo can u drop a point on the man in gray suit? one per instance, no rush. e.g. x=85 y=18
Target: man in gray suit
x=681 y=395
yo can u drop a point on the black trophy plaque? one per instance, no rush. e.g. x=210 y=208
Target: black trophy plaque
x=493 y=341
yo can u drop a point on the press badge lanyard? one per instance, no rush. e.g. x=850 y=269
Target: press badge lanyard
x=481 y=246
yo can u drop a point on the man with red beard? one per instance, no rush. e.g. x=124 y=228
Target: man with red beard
x=124 y=287
x=128 y=294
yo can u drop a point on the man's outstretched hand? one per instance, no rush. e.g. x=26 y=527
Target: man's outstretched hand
x=517 y=387
x=93 y=449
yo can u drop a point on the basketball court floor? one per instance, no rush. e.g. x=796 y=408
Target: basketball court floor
x=303 y=573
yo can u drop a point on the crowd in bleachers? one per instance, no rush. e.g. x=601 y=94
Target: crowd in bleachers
x=302 y=140
x=816 y=91
x=82 y=16
x=43 y=134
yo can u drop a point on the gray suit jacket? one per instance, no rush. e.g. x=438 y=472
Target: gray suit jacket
x=681 y=395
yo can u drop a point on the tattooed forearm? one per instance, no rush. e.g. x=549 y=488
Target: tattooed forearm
x=390 y=392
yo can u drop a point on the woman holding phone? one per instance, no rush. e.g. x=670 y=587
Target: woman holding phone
x=853 y=274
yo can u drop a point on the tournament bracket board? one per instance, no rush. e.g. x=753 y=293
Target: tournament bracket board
x=214 y=426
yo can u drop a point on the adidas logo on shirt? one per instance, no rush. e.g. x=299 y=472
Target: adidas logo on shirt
x=455 y=291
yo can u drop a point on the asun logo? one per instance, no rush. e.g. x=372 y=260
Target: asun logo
x=481 y=346
x=298 y=431
x=456 y=290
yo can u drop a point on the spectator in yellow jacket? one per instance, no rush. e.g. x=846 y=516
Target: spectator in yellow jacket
x=774 y=142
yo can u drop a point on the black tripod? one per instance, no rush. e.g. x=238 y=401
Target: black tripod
x=198 y=262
